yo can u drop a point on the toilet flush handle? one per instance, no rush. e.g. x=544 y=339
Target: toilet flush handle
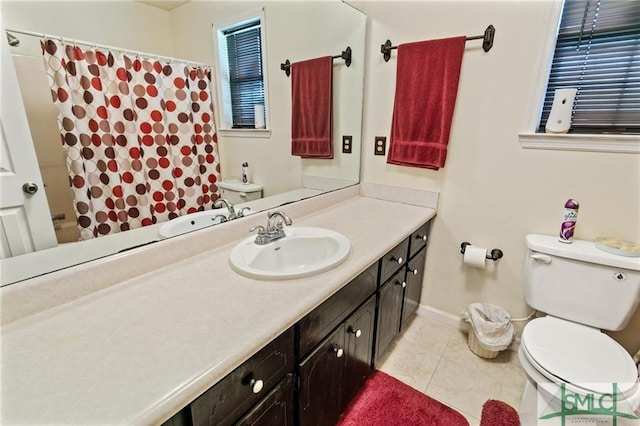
x=541 y=257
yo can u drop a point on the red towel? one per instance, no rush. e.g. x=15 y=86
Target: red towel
x=311 y=108
x=426 y=87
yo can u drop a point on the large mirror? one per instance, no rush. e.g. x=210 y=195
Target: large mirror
x=183 y=29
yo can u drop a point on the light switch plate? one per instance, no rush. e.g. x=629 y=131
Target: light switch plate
x=380 y=147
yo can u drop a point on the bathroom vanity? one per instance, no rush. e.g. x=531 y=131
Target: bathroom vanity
x=330 y=350
x=169 y=333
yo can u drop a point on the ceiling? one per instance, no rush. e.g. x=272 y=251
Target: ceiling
x=164 y=4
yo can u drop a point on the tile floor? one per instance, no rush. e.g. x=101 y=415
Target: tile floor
x=435 y=359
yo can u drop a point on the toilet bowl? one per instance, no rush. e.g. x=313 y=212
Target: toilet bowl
x=575 y=372
x=561 y=357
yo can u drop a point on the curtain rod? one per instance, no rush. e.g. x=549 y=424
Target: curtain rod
x=106 y=47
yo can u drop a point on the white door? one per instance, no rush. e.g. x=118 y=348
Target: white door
x=25 y=219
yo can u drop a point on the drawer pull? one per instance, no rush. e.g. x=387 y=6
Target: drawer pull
x=415 y=271
x=256 y=385
x=338 y=351
x=396 y=259
x=421 y=237
x=356 y=332
x=401 y=283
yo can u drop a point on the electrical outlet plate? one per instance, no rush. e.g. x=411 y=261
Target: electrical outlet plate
x=347 y=143
x=380 y=147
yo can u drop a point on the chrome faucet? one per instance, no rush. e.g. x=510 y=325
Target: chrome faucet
x=274 y=230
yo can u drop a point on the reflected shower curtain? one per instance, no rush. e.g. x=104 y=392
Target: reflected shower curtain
x=138 y=134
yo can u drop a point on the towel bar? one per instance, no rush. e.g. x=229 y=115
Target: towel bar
x=487 y=44
x=346 y=55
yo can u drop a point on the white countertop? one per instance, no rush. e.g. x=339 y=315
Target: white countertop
x=138 y=350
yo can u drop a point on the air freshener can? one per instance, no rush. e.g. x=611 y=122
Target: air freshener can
x=245 y=172
x=568 y=221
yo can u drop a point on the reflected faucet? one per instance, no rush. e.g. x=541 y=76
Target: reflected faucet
x=220 y=202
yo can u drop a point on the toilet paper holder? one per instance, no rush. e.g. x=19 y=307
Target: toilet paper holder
x=496 y=253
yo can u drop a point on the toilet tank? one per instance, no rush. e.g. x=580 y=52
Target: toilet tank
x=580 y=282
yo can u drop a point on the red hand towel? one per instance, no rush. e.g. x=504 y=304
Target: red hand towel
x=426 y=87
x=311 y=108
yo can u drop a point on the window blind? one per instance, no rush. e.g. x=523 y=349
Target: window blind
x=598 y=53
x=244 y=51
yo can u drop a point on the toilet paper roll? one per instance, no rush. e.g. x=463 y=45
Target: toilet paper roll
x=258 y=111
x=475 y=257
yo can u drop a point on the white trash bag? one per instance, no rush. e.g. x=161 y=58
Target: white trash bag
x=492 y=325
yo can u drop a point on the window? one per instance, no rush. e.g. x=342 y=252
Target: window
x=598 y=53
x=241 y=73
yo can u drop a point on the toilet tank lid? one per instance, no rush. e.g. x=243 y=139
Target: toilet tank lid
x=236 y=185
x=585 y=251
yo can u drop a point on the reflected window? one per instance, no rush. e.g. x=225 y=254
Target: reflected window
x=242 y=73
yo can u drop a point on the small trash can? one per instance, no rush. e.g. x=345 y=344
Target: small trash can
x=491 y=329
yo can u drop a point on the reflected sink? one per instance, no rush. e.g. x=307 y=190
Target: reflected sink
x=303 y=252
x=194 y=221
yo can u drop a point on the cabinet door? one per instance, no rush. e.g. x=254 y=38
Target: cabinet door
x=321 y=379
x=359 y=329
x=275 y=409
x=413 y=291
x=389 y=310
x=318 y=323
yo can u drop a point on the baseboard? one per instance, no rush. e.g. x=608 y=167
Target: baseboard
x=455 y=321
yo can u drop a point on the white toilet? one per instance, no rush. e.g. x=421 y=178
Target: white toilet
x=582 y=290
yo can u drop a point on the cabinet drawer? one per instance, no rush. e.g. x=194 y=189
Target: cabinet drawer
x=318 y=323
x=418 y=239
x=225 y=402
x=275 y=409
x=393 y=260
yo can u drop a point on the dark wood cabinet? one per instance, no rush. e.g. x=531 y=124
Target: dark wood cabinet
x=337 y=368
x=389 y=311
x=275 y=409
x=321 y=378
x=413 y=290
x=399 y=297
x=310 y=373
x=359 y=362
x=230 y=398
x=315 y=326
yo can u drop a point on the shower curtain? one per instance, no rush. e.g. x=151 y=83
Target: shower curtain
x=138 y=134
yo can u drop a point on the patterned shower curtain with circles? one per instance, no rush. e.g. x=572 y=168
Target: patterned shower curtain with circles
x=138 y=134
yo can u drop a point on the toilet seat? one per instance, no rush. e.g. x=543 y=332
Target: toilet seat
x=583 y=357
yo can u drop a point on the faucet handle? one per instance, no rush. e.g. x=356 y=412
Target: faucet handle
x=240 y=212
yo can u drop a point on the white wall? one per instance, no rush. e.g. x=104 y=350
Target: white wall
x=492 y=192
x=295 y=31
x=128 y=24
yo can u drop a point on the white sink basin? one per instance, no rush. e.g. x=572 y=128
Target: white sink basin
x=302 y=253
x=194 y=221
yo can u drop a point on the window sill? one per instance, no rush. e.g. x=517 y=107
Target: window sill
x=245 y=133
x=597 y=143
